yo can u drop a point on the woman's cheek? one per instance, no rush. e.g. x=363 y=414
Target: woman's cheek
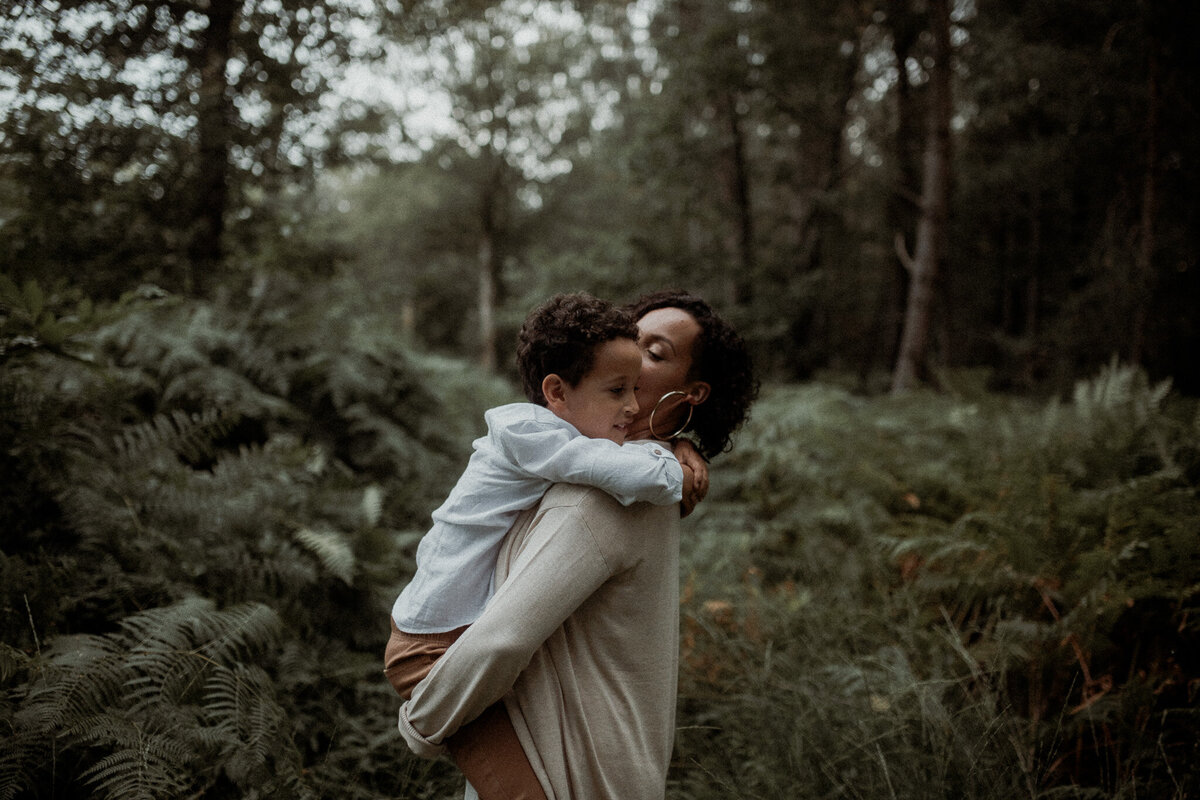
x=650 y=383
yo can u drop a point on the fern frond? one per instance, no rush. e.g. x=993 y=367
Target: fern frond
x=224 y=388
x=332 y=549
x=12 y=662
x=1120 y=394
x=263 y=367
x=372 y=505
x=187 y=435
x=239 y=632
x=164 y=689
x=169 y=628
x=240 y=703
x=23 y=751
x=144 y=766
x=84 y=675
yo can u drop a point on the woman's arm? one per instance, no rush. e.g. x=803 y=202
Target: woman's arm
x=695 y=475
x=557 y=566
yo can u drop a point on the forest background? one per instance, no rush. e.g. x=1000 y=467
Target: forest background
x=261 y=267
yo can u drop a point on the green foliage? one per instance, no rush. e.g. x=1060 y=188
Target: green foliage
x=938 y=596
x=172 y=703
x=127 y=130
x=209 y=506
x=208 y=512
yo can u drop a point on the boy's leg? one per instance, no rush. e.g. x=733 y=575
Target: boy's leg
x=488 y=752
x=409 y=656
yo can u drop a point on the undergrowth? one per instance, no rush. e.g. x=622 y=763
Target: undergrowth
x=207 y=513
x=208 y=508
x=940 y=597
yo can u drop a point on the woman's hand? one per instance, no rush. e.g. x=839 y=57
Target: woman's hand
x=695 y=475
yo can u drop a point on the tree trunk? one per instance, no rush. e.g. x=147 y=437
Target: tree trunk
x=903 y=202
x=489 y=259
x=737 y=189
x=1144 y=263
x=488 y=289
x=213 y=132
x=935 y=201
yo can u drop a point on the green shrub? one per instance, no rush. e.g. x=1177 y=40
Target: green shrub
x=208 y=510
x=176 y=461
x=933 y=597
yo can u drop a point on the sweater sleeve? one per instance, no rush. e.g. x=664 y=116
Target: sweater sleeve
x=560 y=565
x=635 y=472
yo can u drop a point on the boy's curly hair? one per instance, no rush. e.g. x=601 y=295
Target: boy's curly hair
x=721 y=360
x=561 y=336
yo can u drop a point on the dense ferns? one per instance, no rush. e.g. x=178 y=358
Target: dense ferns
x=207 y=510
x=206 y=515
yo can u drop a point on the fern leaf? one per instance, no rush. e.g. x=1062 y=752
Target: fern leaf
x=331 y=549
x=240 y=702
x=372 y=505
x=142 y=770
x=188 y=435
x=23 y=752
x=12 y=662
x=240 y=632
x=84 y=676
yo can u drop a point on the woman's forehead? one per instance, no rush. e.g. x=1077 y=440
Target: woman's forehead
x=672 y=325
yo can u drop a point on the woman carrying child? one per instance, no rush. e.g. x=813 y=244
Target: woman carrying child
x=581 y=636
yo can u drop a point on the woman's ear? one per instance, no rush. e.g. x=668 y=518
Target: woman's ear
x=698 y=393
x=554 y=389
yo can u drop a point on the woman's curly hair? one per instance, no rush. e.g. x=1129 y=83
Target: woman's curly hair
x=561 y=336
x=721 y=360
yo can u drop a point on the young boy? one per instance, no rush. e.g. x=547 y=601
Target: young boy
x=579 y=362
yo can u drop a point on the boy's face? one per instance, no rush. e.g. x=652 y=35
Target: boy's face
x=601 y=405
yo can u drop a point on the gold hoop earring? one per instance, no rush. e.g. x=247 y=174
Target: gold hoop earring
x=682 y=427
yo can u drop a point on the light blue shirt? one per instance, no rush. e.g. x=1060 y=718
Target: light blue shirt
x=526 y=450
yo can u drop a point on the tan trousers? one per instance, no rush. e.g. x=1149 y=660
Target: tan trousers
x=486 y=750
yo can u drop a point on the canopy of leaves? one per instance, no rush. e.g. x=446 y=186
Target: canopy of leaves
x=115 y=114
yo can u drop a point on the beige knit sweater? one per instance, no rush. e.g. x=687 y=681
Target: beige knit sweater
x=580 y=640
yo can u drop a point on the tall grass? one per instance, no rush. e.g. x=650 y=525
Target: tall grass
x=937 y=596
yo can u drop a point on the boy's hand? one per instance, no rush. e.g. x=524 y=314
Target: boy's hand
x=695 y=475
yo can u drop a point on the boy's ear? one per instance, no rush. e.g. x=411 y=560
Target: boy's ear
x=554 y=389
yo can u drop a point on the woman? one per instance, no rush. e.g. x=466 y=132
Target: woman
x=581 y=637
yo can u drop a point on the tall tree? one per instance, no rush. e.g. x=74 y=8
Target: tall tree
x=1144 y=277
x=926 y=262
x=214 y=128
x=905 y=25
x=739 y=153
x=518 y=76
x=1078 y=145
x=137 y=126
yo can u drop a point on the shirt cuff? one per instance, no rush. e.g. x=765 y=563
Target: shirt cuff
x=416 y=742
